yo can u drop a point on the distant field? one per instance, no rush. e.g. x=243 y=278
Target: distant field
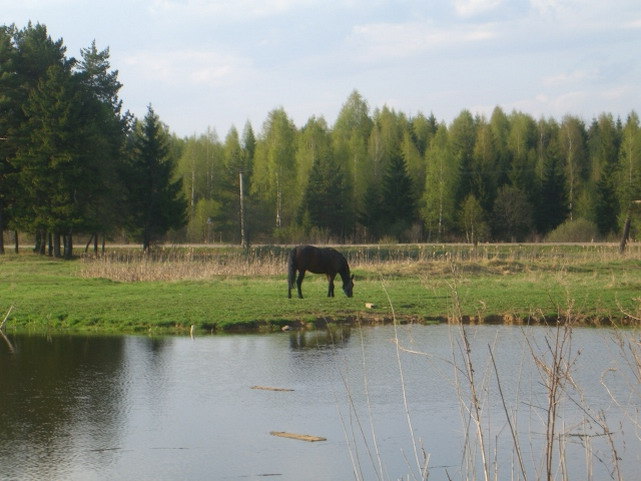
x=221 y=288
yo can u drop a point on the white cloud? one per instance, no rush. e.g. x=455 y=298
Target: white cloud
x=633 y=24
x=469 y=8
x=187 y=67
x=568 y=77
x=229 y=9
x=388 y=40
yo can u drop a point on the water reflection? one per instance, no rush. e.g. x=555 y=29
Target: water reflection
x=56 y=394
x=330 y=337
x=79 y=408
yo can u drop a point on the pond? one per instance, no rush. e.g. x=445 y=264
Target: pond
x=387 y=399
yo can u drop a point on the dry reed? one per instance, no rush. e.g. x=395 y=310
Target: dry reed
x=187 y=263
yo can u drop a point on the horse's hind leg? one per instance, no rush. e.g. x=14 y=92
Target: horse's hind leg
x=291 y=278
x=299 y=282
x=330 y=290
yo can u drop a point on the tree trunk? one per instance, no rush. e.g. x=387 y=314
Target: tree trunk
x=37 y=242
x=88 y=243
x=626 y=232
x=15 y=237
x=41 y=242
x=68 y=240
x=56 y=245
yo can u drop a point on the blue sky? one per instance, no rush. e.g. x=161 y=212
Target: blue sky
x=217 y=63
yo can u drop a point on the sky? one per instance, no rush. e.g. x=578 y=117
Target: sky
x=214 y=64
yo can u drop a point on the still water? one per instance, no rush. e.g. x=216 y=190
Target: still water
x=138 y=408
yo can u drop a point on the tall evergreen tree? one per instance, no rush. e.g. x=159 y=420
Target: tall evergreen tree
x=326 y=200
x=552 y=208
x=106 y=128
x=372 y=216
x=52 y=166
x=155 y=200
x=512 y=214
x=8 y=107
x=603 y=140
x=399 y=203
x=35 y=53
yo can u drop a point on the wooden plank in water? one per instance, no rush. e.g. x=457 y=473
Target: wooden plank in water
x=300 y=437
x=268 y=388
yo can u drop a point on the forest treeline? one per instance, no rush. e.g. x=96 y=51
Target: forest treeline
x=72 y=161
x=384 y=175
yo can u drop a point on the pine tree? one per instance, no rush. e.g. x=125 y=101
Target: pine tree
x=552 y=209
x=512 y=214
x=399 y=203
x=154 y=198
x=371 y=216
x=604 y=145
x=52 y=164
x=106 y=128
x=326 y=200
x=8 y=106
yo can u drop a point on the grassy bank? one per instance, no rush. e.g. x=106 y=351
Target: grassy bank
x=222 y=288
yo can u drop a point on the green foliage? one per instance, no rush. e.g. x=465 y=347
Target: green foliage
x=275 y=173
x=578 y=230
x=67 y=152
x=512 y=215
x=442 y=176
x=398 y=204
x=490 y=281
x=155 y=200
x=473 y=221
x=202 y=225
x=327 y=203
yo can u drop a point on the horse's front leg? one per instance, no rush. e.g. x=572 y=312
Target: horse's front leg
x=330 y=291
x=299 y=282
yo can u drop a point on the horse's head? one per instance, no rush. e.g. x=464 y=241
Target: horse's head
x=348 y=287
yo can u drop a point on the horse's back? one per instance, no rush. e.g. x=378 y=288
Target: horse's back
x=319 y=260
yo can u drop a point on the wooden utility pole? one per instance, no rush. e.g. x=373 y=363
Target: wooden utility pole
x=243 y=234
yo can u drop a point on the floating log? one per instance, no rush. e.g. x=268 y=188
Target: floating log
x=268 y=388
x=300 y=437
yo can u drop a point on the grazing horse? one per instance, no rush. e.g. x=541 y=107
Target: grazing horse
x=318 y=260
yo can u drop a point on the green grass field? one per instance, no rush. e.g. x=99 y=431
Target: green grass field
x=222 y=288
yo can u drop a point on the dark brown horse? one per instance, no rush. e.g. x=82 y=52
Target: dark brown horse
x=318 y=260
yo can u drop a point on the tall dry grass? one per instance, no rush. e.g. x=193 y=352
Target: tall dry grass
x=550 y=420
x=188 y=263
x=180 y=264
